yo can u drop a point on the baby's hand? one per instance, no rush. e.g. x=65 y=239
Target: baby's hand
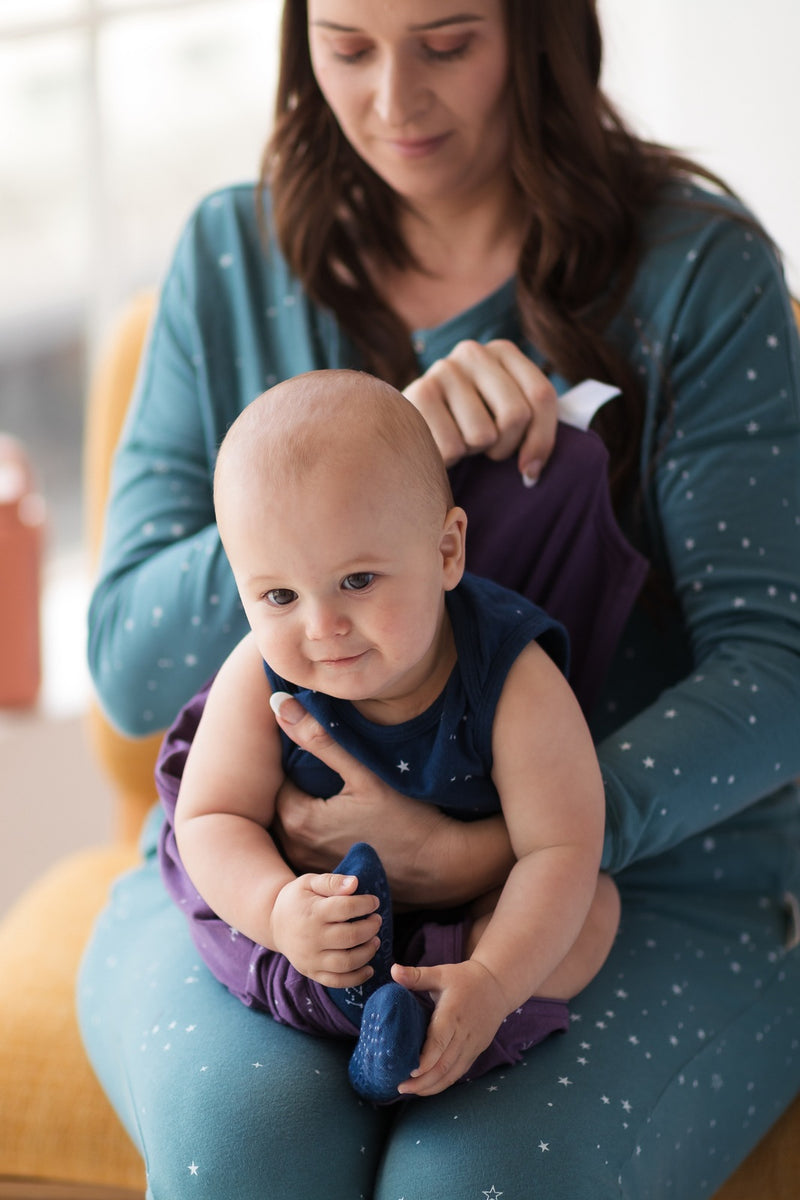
x=316 y=925
x=470 y=1007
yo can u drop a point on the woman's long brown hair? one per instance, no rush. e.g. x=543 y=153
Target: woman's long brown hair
x=587 y=180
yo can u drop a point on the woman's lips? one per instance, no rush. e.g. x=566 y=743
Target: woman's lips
x=417 y=147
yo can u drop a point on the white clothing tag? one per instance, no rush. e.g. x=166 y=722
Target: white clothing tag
x=578 y=405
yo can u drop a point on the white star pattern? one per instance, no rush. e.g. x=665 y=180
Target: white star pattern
x=403 y=767
x=492 y=1194
x=193 y=1168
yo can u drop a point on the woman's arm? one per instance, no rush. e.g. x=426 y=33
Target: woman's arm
x=722 y=505
x=164 y=612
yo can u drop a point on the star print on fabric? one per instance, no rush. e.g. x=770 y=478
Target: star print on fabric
x=492 y=1193
x=564 y=1081
x=403 y=767
x=193 y=1168
x=544 y=1146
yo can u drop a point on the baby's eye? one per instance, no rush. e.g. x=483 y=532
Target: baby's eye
x=357 y=581
x=279 y=597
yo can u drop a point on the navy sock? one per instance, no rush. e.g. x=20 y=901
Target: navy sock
x=393 y=1030
x=363 y=862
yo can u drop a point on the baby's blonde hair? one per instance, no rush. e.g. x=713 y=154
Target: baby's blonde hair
x=329 y=418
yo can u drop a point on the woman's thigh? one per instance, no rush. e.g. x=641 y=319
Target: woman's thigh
x=223 y=1103
x=680 y=1055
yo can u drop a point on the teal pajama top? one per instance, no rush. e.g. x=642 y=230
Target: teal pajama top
x=690 y=1036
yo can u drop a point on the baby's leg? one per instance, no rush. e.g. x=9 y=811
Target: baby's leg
x=588 y=953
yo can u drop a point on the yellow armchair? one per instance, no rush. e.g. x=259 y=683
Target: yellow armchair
x=59 y=1137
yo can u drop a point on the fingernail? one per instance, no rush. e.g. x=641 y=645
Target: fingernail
x=290 y=715
x=531 y=473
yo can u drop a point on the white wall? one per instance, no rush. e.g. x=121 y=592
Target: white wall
x=718 y=79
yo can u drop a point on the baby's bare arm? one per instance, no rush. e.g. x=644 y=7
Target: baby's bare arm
x=551 y=791
x=552 y=796
x=225 y=806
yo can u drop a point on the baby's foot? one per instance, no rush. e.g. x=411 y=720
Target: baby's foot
x=363 y=862
x=393 y=1030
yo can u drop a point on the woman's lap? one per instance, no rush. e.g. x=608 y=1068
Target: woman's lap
x=689 y=1038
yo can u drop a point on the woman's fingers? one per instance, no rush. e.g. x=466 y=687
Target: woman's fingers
x=488 y=398
x=306 y=732
x=537 y=438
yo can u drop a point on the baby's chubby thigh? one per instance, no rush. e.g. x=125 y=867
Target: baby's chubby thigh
x=218 y=1097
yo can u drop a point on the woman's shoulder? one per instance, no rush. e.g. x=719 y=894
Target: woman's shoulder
x=226 y=256
x=701 y=252
x=237 y=213
x=691 y=223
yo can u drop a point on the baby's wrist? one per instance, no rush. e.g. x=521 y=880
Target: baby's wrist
x=273 y=904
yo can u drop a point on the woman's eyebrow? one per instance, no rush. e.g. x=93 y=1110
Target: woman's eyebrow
x=455 y=19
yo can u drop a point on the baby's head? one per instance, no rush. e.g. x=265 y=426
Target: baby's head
x=335 y=429
x=327 y=487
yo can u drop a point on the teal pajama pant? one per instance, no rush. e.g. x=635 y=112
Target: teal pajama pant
x=680 y=1055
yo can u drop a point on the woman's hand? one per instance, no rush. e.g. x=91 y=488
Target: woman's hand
x=431 y=860
x=488 y=398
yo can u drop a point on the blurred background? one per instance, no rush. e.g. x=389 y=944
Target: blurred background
x=115 y=117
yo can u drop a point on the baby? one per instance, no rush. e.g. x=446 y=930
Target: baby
x=335 y=512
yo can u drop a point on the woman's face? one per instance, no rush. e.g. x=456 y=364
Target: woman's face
x=419 y=88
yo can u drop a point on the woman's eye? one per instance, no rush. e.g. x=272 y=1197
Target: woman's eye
x=280 y=597
x=358 y=581
x=448 y=53
x=349 y=52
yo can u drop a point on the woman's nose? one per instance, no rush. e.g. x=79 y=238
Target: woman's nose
x=399 y=94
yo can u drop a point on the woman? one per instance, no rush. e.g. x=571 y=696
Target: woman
x=451 y=202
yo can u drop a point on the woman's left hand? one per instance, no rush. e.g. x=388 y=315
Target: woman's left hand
x=488 y=398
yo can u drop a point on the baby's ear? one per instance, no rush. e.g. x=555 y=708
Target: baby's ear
x=453 y=546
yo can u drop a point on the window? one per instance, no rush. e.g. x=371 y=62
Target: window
x=124 y=112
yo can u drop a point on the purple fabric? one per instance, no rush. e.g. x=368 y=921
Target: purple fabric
x=557 y=543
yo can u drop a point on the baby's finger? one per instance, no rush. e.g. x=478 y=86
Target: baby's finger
x=361 y=936
x=438 y=1067
x=417 y=979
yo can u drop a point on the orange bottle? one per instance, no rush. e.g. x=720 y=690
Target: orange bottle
x=21 y=542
